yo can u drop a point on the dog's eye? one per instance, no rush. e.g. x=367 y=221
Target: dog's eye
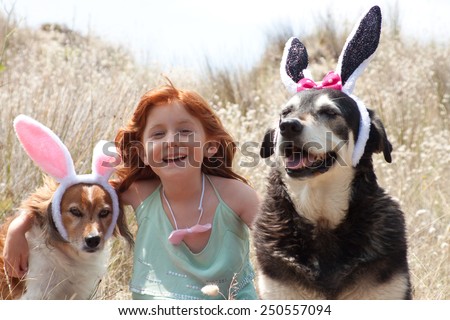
x=104 y=213
x=286 y=111
x=329 y=112
x=75 y=212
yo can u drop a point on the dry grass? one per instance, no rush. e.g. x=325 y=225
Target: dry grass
x=85 y=89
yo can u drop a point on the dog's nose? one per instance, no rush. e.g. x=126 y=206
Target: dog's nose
x=290 y=128
x=92 y=242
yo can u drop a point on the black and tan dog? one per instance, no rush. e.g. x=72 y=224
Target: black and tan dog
x=326 y=229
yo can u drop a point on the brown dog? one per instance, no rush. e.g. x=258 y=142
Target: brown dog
x=60 y=269
x=73 y=219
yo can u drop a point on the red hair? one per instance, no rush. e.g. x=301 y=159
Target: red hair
x=129 y=138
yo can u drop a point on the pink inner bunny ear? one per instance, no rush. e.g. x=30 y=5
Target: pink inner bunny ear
x=105 y=159
x=44 y=147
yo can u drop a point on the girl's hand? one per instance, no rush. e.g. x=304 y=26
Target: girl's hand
x=15 y=251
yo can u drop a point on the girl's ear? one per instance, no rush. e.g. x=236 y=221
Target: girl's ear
x=212 y=148
x=143 y=158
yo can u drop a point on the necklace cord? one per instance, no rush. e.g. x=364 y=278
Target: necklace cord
x=200 y=206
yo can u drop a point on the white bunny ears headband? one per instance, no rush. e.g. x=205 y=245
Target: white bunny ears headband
x=355 y=56
x=45 y=148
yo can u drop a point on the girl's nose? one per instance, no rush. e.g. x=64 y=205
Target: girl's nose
x=173 y=139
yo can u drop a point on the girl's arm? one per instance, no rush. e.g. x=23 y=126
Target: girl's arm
x=248 y=204
x=15 y=251
x=240 y=197
x=138 y=192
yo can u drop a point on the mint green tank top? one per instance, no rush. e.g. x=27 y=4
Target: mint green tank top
x=165 y=271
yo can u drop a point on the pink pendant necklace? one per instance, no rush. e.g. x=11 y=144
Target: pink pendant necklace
x=177 y=235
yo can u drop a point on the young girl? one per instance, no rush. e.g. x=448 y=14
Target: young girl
x=192 y=209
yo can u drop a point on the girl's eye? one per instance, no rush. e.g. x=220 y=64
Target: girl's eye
x=185 y=132
x=75 y=212
x=157 y=134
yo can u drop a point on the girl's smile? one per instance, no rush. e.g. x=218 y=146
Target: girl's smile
x=177 y=160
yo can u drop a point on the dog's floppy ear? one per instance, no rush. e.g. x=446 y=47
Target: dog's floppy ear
x=122 y=229
x=267 y=144
x=50 y=226
x=359 y=48
x=293 y=64
x=378 y=141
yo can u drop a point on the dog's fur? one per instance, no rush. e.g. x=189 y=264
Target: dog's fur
x=60 y=269
x=327 y=230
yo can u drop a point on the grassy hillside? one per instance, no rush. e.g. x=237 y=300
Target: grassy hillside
x=85 y=89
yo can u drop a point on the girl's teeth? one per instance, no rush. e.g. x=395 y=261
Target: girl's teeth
x=173 y=159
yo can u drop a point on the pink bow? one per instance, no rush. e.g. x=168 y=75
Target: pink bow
x=331 y=81
x=177 y=236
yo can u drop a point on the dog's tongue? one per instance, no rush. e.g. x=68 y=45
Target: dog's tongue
x=297 y=161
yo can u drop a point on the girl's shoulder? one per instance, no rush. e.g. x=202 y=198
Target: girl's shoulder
x=139 y=191
x=239 y=196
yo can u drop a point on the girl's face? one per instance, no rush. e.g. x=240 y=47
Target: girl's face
x=173 y=140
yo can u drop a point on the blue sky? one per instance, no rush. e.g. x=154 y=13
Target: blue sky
x=177 y=33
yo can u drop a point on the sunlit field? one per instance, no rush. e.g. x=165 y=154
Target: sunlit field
x=85 y=89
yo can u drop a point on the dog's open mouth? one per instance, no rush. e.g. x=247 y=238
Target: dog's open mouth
x=302 y=164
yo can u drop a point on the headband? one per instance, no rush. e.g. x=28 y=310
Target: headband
x=358 y=50
x=49 y=153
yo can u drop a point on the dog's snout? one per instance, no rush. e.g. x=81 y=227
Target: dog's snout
x=92 y=241
x=290 y=127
